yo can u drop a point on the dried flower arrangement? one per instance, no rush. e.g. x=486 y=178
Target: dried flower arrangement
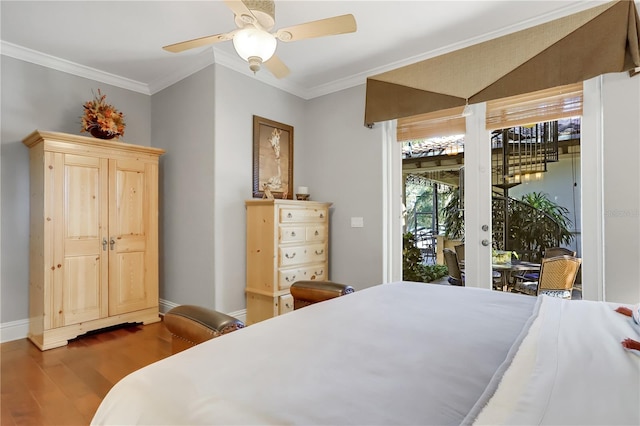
x=101 y=119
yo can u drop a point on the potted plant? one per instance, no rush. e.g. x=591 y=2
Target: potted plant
x=101 y=119
x=535 y=223
x=412 y=267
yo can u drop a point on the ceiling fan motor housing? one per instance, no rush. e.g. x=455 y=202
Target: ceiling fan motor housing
x=263 y=10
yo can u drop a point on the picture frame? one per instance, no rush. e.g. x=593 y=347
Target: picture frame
x=272 y=158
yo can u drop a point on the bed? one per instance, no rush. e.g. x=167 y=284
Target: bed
x=400 y=353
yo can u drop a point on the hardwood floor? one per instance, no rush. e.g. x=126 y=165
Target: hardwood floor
x=64 y=386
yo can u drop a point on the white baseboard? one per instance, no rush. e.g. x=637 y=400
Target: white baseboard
x=14 y=330
x=241 y=315
x=166 y=306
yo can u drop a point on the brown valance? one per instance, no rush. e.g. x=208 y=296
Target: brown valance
x=568 y=50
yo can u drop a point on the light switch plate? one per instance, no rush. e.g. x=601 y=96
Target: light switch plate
x=357 y=222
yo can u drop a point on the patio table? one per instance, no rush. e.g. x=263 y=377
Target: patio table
x=506 y=269
x=514 y=266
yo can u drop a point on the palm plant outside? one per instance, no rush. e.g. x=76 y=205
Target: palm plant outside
x=535 y=223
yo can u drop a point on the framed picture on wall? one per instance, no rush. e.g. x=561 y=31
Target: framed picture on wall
x=272 y=159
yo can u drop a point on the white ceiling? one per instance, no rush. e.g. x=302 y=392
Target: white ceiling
x=119 y=42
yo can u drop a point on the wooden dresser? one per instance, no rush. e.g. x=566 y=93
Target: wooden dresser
x=287 y=241
x=93 y=244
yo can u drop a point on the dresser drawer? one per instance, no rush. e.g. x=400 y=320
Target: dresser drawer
x=288 y=276
x=290 y=215
x=316 y=233
x=312 y=253
x=293 y=234
x=285 y=304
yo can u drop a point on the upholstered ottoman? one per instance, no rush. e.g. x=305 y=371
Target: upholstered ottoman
x=308 y=292
x=190 y=325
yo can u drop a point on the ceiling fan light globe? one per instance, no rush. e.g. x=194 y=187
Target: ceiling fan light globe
x=252 y=42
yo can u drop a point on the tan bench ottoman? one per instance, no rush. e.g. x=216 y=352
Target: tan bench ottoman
x=309 y=292
x=190 y=325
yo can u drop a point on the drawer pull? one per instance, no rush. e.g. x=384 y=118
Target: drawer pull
x=321 y=215
x=293 y=233
x=289 y=215
x=293 y=278
x=319 y=252
x=319 y=273
x=290 y=256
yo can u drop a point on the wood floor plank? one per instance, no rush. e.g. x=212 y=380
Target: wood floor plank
x=64 y=386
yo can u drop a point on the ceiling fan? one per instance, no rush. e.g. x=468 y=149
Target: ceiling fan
x=253 y=41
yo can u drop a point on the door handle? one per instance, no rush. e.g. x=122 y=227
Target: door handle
x=104 y=244
x=112 y=243
x=485 y=242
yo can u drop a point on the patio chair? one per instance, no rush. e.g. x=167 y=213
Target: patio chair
x=456 y=275
x=558 y=251
x=459 y=252
x=550 y=252
x=557 y=277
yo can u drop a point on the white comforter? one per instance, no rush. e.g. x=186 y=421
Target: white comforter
x=402 y=353
x=571 y=370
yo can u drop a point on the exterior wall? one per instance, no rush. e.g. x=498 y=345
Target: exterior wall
x=562 y=182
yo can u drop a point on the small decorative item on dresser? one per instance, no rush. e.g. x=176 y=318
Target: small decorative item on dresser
x=102 y=120
x=266 y=192
x=303 y=193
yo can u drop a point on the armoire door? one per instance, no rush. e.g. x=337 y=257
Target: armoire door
x=133 y=238
x=80 y=186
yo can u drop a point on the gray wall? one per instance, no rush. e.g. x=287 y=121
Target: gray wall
x=34 y=97
x=207 y=176
x=205 y=124
x=621 y=195
x=342 y=163
x=183 y=124
x=238 y=99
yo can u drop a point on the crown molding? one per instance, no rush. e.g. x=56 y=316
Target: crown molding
x=202 y=60
x=39 y=58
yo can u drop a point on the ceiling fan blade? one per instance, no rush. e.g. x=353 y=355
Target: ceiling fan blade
x=198 y=42
x=242 y=12
x=277 y=67
x=331 y=26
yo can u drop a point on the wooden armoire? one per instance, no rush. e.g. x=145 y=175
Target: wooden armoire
x=93 y=244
